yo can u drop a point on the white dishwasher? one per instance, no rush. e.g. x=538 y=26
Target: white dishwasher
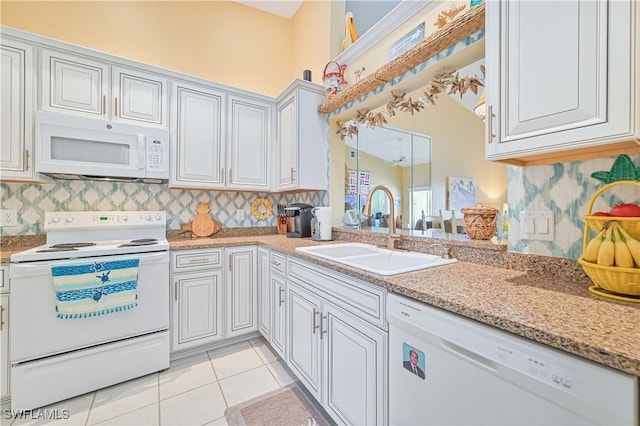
x=448 y=370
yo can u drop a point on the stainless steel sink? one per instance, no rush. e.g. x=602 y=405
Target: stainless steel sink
x=375 y=259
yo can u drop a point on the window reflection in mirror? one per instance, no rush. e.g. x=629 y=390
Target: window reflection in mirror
x=397 y=159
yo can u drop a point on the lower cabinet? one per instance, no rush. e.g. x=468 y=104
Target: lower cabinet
x=212 y=299
x=5 y=367
x=241 y=299
x=197 y=308
x=278 y=306
x=339 y=356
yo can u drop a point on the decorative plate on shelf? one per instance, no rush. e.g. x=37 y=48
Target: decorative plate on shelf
x=261 y=208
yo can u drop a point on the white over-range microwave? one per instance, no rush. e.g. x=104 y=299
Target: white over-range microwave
x=69 y=147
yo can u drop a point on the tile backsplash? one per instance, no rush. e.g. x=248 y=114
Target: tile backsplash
x=32 y=200
x=565 y=189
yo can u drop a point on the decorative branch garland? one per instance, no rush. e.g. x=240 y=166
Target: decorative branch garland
x=443 y=82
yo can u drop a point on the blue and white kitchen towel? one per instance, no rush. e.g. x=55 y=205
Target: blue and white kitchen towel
x=95 y=288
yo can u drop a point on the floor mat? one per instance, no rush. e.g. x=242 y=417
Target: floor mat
x=289 y=405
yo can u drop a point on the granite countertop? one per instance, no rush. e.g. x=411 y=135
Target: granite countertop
x=556 y=312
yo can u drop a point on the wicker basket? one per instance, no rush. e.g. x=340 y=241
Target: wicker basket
x=480 y=222
x=623 y=281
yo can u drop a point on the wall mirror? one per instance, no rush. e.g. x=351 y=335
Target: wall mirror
x=396 y=158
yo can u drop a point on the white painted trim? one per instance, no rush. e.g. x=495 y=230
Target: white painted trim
x=392 y=20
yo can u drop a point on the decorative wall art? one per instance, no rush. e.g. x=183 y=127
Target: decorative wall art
x=461 y=192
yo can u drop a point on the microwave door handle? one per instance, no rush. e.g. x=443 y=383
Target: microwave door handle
x=141 y=152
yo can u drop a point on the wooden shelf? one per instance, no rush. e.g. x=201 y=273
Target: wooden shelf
x=455 y=31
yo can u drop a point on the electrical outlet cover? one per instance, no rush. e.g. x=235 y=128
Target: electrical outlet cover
x=8 y=218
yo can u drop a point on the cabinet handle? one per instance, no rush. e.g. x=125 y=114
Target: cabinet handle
x=198 y=259
x=104 y=104
x=116 y=106
x=229 y=262
x=280 y=299
x=222 y=175
x=275 y=262
x=175 y=291
x=26 y=160
x=230 y=176
x=490 y=133
x=292 y=172
x=322 y=331
x=315 y=327
x=1 y=318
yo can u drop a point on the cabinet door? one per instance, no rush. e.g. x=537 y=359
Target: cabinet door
x=16 y=103
x=139 y=97
x=197 y=308
x=197 y=151
x=264 y=291
x=566 y=87
x=278 y=334
x=355 y=356
x=241 y=291
x=287 y=144
x=74 y=85
x=249 y=144
x=4 y=346
x=303 y=337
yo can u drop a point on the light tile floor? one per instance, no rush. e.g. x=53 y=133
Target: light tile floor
x=193 y=391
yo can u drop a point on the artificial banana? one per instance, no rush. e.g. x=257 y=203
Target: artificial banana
x=591 y=251
x=622 y=255
x=607 y=250
x=633 y=244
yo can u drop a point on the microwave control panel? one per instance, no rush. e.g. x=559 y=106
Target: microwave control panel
x=157 y=157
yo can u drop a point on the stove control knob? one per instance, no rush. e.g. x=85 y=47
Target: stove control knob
x=125 y=218
x=69 y=219
x=55 y=219
x=148 y=218
x=158 y=218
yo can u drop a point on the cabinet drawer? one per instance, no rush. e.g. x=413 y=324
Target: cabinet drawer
x=196 y=259
x=357 y=297
x=277 y=262
x=4 y=278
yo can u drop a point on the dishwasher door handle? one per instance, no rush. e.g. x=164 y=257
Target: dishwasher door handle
x=470 y=355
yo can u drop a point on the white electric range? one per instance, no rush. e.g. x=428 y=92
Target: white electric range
x=54 y=356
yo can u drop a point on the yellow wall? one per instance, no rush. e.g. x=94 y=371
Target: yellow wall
x=221 y=41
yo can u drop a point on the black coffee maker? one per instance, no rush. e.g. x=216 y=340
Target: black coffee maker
x=300 y=221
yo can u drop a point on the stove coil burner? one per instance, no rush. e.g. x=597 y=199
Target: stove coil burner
x=56 y=249
x=71 y=245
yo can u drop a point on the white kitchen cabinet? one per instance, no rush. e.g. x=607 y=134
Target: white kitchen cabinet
x=88 y=87
x=249 y=142
x=241 y=291
x=566 y=90
x=197 y=150
x=17 y=109
x=4 y=347
x=278 y=334
x=264 y=292
x=197 y=308
x=197 y=278
x=355 y=360
x=302 y=148
x=304 y=356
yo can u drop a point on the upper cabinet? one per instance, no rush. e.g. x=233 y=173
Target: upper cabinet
x=302 y=148
x=81 y=86
x=17 y=106
x=221 y=141
x=561 y=80
x=197 y=126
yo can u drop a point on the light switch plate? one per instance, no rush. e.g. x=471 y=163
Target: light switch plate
x=537 y=225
